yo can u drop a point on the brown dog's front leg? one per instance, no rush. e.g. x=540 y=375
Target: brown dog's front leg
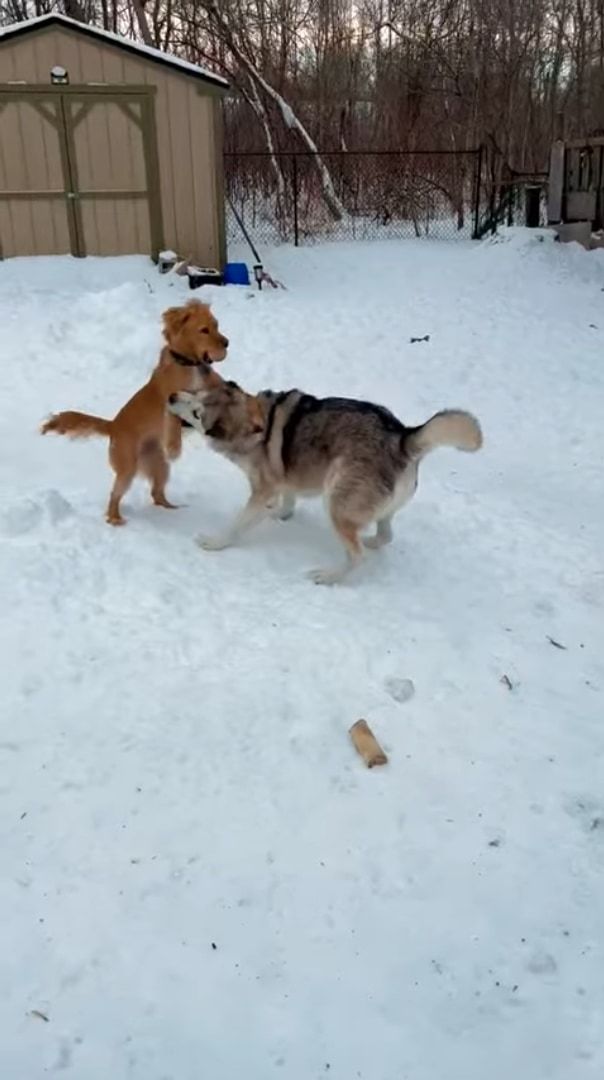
x=172 y=436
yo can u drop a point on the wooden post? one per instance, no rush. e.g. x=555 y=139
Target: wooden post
x=477 y=193
x=295 y=192
x=532 y=205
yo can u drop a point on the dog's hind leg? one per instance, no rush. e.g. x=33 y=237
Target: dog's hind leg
x=155 y=467
x=348 y=532
x=121 y=484
x=383 y=534
x=123 y=462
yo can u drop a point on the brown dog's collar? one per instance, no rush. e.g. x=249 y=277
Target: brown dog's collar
x=185 y=361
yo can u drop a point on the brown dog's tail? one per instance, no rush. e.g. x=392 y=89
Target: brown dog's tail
x=76 y=425
x=452 y=427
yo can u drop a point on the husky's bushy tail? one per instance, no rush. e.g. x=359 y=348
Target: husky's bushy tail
x=451 y=427
x=76 y=425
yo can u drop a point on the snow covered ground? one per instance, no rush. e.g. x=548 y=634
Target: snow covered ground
x=200 y=880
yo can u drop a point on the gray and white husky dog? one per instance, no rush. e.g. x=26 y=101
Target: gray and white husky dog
x=358 y=455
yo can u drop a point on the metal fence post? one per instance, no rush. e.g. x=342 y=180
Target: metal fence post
x=476 y=229
x=295 y=187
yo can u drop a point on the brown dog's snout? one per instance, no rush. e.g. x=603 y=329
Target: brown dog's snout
x=224 y=341
x=173 y=399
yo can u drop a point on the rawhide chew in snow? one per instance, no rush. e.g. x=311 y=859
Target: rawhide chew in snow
x=367 y=744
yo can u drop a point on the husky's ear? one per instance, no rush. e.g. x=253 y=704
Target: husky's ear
x=210 y=397
x=211 y=381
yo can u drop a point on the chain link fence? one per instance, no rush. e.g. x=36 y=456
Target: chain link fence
x=391 y=194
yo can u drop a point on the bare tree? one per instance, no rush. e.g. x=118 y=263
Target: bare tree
x=340 y=75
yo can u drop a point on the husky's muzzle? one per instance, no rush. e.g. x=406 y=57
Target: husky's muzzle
x=184 y=405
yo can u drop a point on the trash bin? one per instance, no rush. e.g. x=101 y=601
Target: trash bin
x=236 y=273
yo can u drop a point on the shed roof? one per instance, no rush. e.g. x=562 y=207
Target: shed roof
x=146 y=52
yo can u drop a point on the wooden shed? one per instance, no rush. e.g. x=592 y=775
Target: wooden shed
x=107 y=146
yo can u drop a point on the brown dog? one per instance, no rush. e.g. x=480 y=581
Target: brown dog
x=143 y=437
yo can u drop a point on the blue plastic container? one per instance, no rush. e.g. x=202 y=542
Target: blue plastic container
x=236 y=273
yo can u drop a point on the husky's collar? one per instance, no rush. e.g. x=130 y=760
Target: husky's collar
x=275 y=400
x=186 y=361
x=270 y=420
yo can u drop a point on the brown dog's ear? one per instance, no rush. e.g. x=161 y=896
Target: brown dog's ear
x=173 y=320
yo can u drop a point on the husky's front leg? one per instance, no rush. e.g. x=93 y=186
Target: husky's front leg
x=288 y=505
x=254 y=510
x=282 y=507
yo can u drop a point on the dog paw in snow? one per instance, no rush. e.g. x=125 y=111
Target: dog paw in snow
x=212 y=543
x=400 y=690
x=325 y=577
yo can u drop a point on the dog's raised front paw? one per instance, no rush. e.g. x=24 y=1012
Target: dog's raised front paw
x=286 y=507
x=281 y=513
x=166 y=505
x=325 y=577
x=212 y=543
x=374 y=543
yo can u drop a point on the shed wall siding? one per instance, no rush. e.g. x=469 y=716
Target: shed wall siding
x=185 y=123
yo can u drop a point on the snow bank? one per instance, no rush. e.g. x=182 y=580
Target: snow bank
x=199 y=876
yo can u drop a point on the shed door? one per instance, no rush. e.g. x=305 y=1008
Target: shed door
x=78 y=173
x=35 y=216
x=581 y=184
x=109 y=173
